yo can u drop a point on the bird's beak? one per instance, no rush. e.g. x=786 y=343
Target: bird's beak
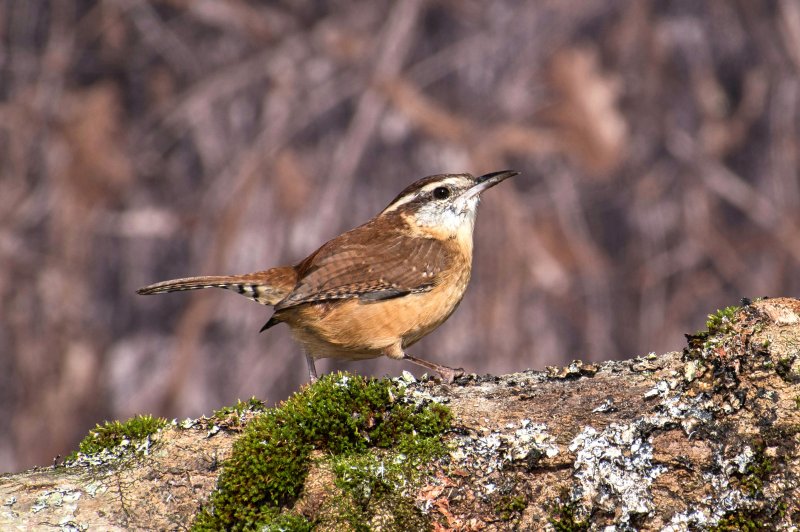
x=488 y=181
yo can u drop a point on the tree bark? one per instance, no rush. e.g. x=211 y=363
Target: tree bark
x=697 y=439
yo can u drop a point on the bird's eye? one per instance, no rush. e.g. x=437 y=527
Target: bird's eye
x=441 y=192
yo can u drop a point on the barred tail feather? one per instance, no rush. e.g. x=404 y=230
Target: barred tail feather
x=267 y=287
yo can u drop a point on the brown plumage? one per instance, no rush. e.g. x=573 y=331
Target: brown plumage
x=376 y=289
x=267 y=287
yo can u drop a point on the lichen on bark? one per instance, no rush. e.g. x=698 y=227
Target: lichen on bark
x=702 y=439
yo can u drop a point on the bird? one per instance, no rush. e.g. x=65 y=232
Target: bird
x=379 y=288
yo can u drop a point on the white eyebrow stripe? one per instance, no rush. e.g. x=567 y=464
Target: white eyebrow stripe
x=398 y=203
x=424 y=190
x=448 y=181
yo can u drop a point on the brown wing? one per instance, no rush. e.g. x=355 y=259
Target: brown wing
x=372 y=262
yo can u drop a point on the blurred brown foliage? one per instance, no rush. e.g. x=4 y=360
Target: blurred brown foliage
x=144 y=140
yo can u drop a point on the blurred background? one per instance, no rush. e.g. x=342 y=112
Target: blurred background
x=147 y=140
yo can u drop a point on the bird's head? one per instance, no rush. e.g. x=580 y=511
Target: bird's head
x=444 y=205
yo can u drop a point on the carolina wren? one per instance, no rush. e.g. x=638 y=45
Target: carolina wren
x=379 y=288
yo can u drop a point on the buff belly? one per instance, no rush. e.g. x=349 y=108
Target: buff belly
x=354 y=330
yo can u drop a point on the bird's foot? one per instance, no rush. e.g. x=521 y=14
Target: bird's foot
x=447 y=374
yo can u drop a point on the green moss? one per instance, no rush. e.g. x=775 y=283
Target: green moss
x=287 y=522
x=720 y=321
x=784 y=369
x=746 y=521
x=739 y=522
x=563 y=516
x=752 y=519
x=717 y=325
x=234 y=417
x=758 y=471
x=112 y=434
x=343 y=414
x=509 y=505
x=372 y=486
x=251 y=405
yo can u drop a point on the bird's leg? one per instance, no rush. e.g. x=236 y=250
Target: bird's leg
x=312 y=370
x=447 y=374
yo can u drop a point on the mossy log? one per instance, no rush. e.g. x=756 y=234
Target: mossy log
x=703 y=439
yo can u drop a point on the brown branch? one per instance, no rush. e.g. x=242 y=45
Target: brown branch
x=695 y=439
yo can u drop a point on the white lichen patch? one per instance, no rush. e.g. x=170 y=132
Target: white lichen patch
x=416 y=395
x=614 y=470
x=8 y=513
x=691 y=413
x=741 y=461
x=95 y=489
x=729 y=497
x=605 y=406
x=661 y=389
x=125 y=449
x=726 y=499
x=61 y=505
x=684 y=521
x=692 y=370
x=496 y=449
x=487 y=450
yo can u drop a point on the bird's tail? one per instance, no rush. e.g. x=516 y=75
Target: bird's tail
x=267 y=287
